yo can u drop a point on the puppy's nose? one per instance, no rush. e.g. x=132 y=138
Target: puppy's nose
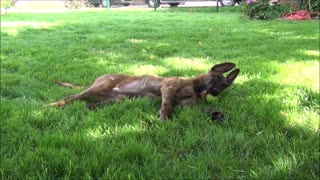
x=215 y=90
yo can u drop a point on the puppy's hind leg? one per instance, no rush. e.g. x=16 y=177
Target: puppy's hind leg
x=93 y=90
x=102 y=84
x=68 y=99
x=106 y=98
x=64 y=84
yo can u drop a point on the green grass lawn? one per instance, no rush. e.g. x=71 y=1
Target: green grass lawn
x=271 y=130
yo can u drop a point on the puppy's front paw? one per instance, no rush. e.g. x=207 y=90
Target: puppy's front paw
x=214 y=115
x=163 y=116
x=92 y=106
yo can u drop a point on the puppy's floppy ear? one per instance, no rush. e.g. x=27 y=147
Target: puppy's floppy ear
x=232 y=76
x=224 y=67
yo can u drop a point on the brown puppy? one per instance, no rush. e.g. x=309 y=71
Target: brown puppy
x=173 y=90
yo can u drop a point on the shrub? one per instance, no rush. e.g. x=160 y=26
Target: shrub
x=312 y=5
x=77 y=4
x=262 y=9
x=7 y=4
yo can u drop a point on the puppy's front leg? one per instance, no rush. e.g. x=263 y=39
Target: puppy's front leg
x=167 y=95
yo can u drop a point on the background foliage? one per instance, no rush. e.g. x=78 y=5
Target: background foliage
x=6 y=4
x=262 y=9
x=77 y=4
x=312 y=5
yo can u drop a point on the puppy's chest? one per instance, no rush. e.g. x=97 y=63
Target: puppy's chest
x=141 y=86
x=185 y=92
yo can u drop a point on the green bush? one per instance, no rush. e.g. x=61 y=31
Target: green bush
x=312 y=5
x=77 y=4
x=262 y=9
x=7 y=4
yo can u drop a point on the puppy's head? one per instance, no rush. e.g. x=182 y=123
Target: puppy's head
x=215 y=82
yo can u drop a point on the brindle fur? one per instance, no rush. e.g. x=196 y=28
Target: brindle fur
x=173 y=90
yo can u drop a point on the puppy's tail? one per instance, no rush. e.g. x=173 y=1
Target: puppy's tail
x=64 y=84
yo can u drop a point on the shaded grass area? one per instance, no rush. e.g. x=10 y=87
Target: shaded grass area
x=272 y=126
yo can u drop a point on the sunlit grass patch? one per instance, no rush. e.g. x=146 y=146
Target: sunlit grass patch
x=133 y=40
x=148 y=69
x=105 y=131
x=314 y=53
x=13 y=28
x=293 y=73
x=188 y=63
